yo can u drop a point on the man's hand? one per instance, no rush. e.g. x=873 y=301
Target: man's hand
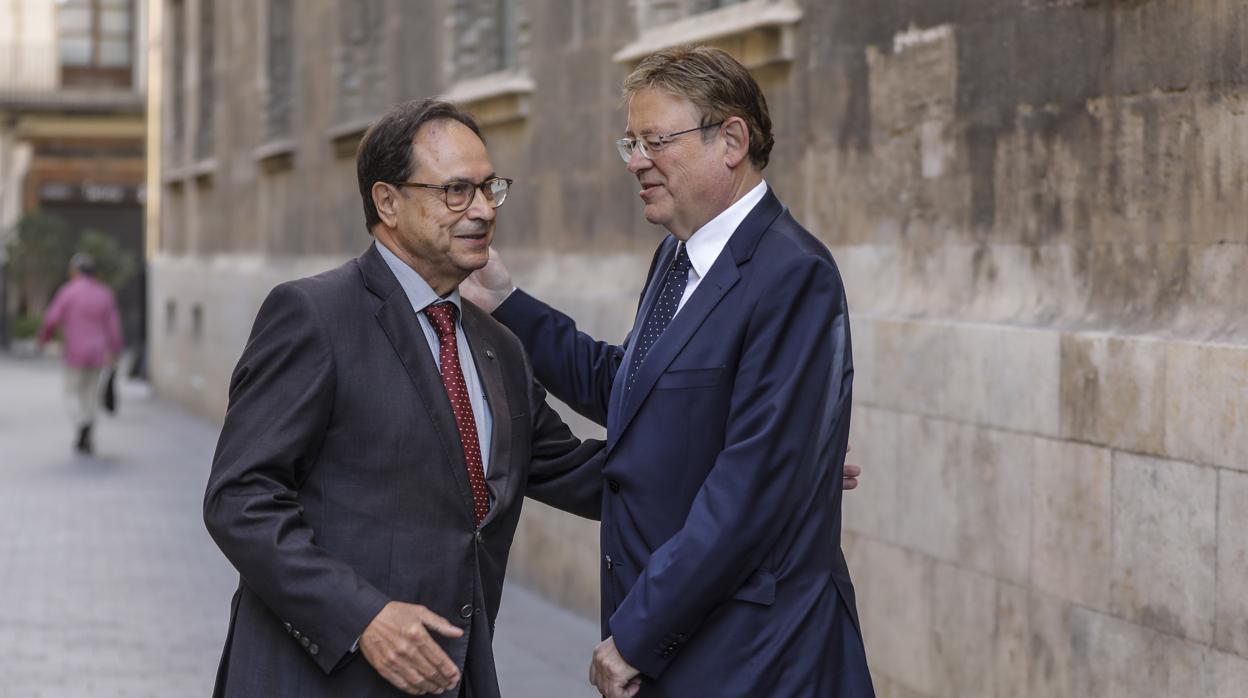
x=850 y=481
x=488 y=286
x=610 y=674
x=398 y=645
x=850 y=478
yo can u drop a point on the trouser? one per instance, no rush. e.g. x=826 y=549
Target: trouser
x=82 y=395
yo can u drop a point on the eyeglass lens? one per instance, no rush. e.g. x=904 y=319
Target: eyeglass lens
x=459 y=194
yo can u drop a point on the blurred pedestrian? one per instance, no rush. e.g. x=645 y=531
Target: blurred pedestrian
x=85 y=311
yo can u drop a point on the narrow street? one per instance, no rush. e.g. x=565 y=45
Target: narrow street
x=109 y=584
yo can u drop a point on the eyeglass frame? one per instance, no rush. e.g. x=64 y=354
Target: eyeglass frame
x=446 y=188
x=639 y=142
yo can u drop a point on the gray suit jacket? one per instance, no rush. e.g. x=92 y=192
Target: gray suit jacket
x=339 y=484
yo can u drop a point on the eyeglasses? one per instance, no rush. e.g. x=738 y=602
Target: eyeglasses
x=459 y=195
x=649 y=145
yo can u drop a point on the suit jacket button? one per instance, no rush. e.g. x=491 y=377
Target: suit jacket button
x=314 y=649
x=295 y=634
x=465 y=611
x=304 y=641
x=614 y=486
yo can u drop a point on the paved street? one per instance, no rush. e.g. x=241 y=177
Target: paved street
x=109 y=585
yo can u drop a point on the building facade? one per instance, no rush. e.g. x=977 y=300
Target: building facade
x=72 y=130
x=1038 y=208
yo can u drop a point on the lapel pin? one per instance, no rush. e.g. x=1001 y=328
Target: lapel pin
x=489 y=353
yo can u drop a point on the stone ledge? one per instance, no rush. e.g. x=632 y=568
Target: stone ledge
x=346 y=135
x=201 y=172
x=276 y=155
x=496 y=98
x=758 y=33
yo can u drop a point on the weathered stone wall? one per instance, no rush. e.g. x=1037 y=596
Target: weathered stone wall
x=1039 y=209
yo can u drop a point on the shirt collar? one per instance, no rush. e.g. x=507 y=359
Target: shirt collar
x=707 y=242
x=419 y=293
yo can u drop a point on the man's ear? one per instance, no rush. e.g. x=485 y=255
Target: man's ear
x=385 y=199
x=736 y=139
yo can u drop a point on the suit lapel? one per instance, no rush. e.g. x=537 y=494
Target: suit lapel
x=398 y=320
x=654 y=283
x=489 y=368
x=721 y=277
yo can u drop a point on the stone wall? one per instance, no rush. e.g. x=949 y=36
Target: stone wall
x=1038 y=207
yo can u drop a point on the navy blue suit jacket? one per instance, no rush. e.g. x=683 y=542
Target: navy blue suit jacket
x=722 y=571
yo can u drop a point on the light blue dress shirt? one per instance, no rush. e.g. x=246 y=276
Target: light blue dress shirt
x=421 y=295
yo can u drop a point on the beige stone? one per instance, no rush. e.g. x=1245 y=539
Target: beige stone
x=1062 y=649
x=557 y=553
x=912 y=365
x=993 y=495
x=963 y=629
x=1113 y=391
x=1071 y=531
x=1011 y=642
x=1231 y=623
x=931 y=458
x=894 y=606
x=872 y=509
x=1164 y=538
x=1078 y=652
x=1005 y=377
x=1207 y=404
x=1232 y=676
x=1143 y=662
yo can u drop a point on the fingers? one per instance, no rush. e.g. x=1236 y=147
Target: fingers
x=440 y=625
x=852 y=471
x=401 y=649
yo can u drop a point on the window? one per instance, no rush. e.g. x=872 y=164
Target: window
x=96 y=42
x=357 y=61
x=279 y=70
x=484 y=38
x=177 y=21
x=696 y=6
x=204 y=136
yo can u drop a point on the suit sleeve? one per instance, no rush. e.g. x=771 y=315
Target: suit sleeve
x=565 y=473
x=115 y=340
x=281 y=397
x=52 y=317
x=577 y=369
x=792 y=372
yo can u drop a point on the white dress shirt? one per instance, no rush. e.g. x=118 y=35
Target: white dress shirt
x=707 y=242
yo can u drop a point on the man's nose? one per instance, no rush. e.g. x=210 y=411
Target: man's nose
x=638 y=162
x=480 y=208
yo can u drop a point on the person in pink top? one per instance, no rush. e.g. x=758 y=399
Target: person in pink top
x=85 y=311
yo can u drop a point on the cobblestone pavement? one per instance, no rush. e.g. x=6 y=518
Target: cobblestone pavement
x=109 y=584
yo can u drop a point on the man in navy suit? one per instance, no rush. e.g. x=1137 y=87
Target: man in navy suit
x=727 y=412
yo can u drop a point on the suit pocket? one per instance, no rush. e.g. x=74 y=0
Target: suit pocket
x=690 y=378
x=760 y=588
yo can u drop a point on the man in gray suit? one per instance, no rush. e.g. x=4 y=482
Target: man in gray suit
x=380 y=438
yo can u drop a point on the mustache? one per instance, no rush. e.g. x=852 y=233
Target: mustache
x=472 y=228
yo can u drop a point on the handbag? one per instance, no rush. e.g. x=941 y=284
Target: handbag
x=108 y=397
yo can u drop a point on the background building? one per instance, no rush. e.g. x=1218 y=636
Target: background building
x=72 y=81
x=1038 y=207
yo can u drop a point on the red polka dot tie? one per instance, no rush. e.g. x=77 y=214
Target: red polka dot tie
x=442 y=315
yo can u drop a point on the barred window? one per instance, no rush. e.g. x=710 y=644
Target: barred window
x=205 y=126
x=96 y=42
x=279 y=69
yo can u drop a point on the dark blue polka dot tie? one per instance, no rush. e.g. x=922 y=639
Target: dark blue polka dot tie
x=662 y=312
